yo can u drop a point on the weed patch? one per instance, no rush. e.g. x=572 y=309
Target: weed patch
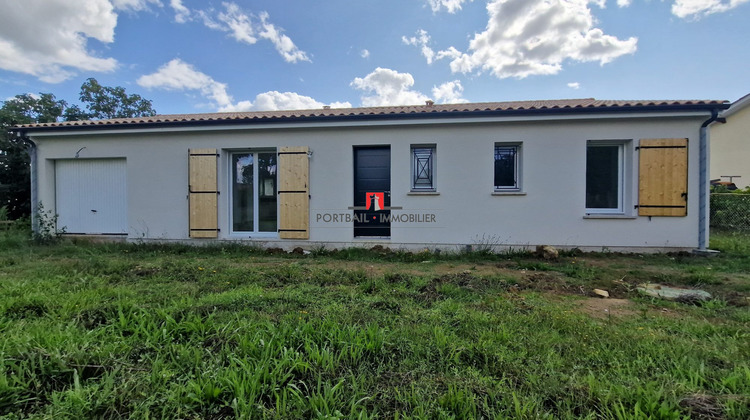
x=229 y=331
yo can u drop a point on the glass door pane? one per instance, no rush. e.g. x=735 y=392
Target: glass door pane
x=243 y=217
x=267 y=192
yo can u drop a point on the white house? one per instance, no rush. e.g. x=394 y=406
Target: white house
x=730 y=151
x=617 y=175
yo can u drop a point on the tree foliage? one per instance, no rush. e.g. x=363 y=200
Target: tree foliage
x=99 y=102
x=104 y=102
x=15 y=187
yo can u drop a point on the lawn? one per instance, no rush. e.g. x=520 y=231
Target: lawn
x=170 y=331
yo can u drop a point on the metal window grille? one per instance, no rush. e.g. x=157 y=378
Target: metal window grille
x=506 y=167
x=423 y=175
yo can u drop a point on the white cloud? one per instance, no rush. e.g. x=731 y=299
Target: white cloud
x=181 y=13
x=389 y=87
x=48 y=38
x=135 y=5
x=364 y=53
x=574 y=85
x=247 y=28
x=449 y=93
x=452 y=6
x=209 y=22
x=697 y=8
x=624 y=3
x=177 y=75
x=421 y=40
x=275 y=101
x=283 y=43
x=237 y=24
x=535 y=37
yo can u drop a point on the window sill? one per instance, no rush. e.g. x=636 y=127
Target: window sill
x=422 y=193
x=609 y=216
x=497 y=193
x=253 y=235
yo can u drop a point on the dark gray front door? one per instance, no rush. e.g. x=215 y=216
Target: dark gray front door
x=372 y=191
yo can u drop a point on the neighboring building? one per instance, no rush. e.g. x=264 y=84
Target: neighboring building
x=730 y=145
x=617 y=175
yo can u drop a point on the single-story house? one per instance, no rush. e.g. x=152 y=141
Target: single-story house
x=586 y=173
x=730 y=154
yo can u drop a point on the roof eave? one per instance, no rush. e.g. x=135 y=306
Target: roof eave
x=615 y=109
x=737 y=106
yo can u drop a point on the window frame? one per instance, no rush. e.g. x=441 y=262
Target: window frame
x=256 y=193
x=433 y=166
x=623 y=179
x=517 y=167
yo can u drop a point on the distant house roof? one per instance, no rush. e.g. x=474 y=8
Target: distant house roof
x=429 y=110
x=737 y=106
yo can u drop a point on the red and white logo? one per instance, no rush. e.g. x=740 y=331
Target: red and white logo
x=375 y=201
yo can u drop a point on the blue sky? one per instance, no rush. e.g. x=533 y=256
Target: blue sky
x=204 y=56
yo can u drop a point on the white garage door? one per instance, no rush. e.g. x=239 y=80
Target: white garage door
x=91 y=195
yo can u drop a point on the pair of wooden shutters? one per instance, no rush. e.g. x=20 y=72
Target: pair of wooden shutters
x=663 y=176
x=294 y=193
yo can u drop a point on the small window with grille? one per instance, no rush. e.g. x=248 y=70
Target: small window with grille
x=423 y=168
x=507 y=167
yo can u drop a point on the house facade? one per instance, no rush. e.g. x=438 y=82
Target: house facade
x=585 y=173
x=730 y=151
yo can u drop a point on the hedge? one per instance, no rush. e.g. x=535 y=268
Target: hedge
x=730 y=211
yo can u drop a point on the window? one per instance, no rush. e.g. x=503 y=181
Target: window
x=423 y=168
x=507 y=167
x=604 y=177
x=254 y=204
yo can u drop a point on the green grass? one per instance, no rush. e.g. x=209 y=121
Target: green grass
x=732 y=242
x=158 y=331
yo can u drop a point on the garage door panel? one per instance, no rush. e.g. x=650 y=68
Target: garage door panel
x=91 y=195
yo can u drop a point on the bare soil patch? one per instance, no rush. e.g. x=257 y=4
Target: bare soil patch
x=606 y=308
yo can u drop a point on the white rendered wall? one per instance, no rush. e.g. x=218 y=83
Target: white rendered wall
x=552 y=211
x=730 y=148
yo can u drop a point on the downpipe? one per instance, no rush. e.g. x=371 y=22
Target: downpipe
x=704 y=187
x=31 y=149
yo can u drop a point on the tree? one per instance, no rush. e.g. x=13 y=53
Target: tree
x=103 y=102
x=15 y=187
x=100 y=102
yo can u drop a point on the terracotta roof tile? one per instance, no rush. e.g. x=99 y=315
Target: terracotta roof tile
x=426 y=110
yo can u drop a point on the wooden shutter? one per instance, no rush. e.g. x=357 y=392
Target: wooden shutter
x=663 y=174
x=294 y=193
x=203 y=193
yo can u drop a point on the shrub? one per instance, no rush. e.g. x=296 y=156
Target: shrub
x=730 y=211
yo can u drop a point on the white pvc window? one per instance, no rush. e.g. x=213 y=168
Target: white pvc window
x=605 y=174
x=507 y=167
x=253 y=181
